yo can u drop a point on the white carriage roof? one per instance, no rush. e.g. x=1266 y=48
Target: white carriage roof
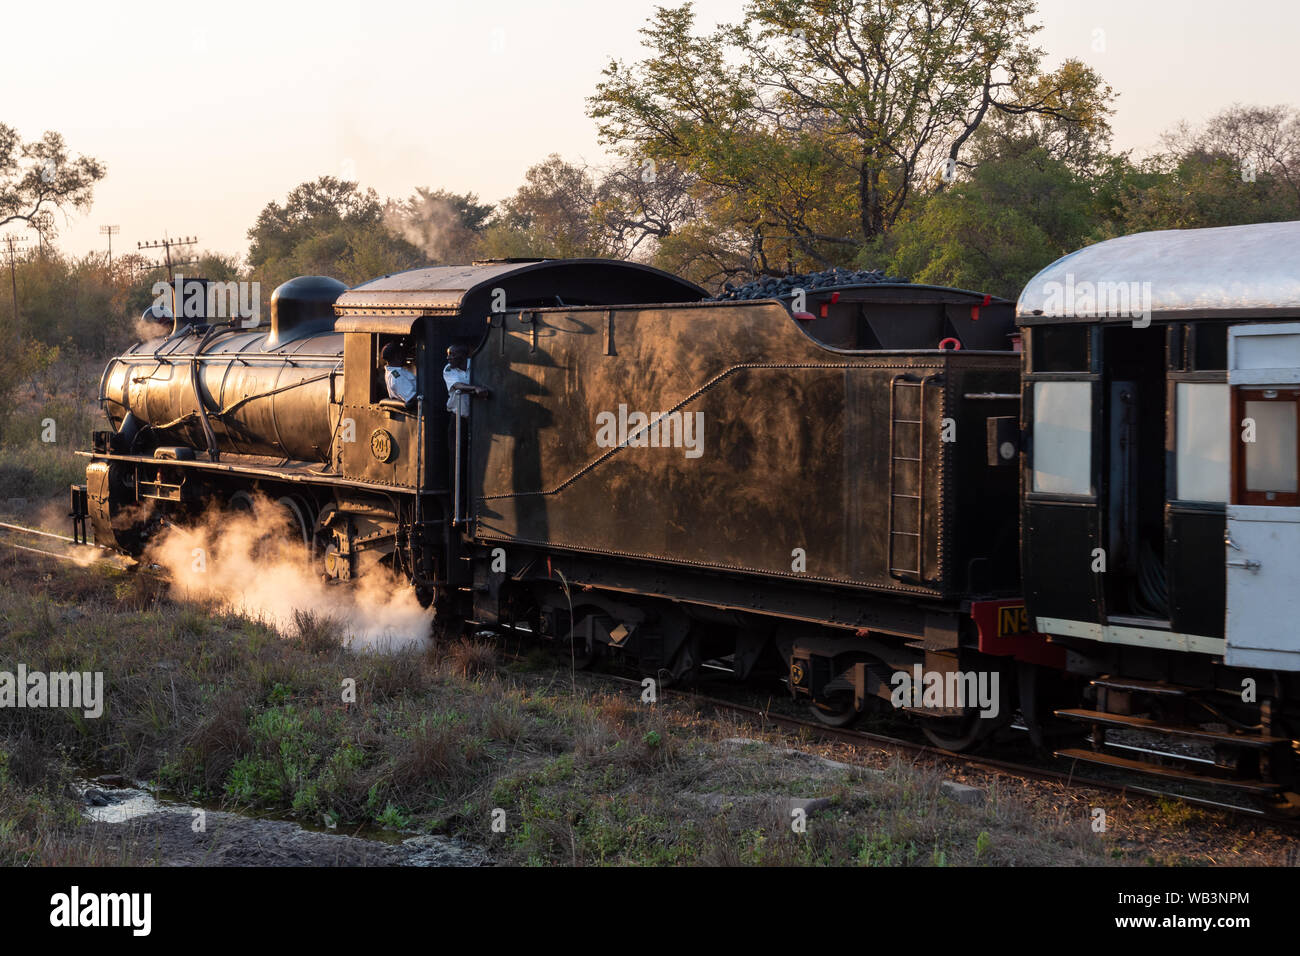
x=1245 y=271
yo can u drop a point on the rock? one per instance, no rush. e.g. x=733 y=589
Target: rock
x=166 y=836
x=112 y=780
x=96 y=798
x=968 y=796
x=442 y=851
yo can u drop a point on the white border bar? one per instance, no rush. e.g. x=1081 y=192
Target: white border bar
x=1138 y=636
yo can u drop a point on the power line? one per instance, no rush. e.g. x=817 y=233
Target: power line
x=166 y=245
x=13 y=240
x=110 y=231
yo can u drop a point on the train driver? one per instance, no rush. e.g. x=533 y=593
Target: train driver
x=399 y=379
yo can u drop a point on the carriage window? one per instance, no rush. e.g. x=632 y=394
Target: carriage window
x=1060 y=348
x=1203 y=431
x=1062 y=450
x=1270 y=466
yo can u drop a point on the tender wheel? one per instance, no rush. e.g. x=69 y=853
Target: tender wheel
x=580 y=654
x=836 y=712
x=955 y=733
x=964 y=732
x=584 y=657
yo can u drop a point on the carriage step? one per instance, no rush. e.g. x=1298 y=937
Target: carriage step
x=1154 y=687
x=1256 y=741
x=1167 y=773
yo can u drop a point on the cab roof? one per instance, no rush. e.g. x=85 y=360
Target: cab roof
x=470 y=289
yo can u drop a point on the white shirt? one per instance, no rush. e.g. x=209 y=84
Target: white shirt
x=400 y=382
x=457 y=402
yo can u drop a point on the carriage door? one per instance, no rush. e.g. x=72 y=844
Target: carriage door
x=1263 y=530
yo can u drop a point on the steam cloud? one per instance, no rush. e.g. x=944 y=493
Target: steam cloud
x=248 y=563
x=147 y=331
x=431 y=224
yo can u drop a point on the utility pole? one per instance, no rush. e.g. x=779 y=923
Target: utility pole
x=13 y=240
x=166 y=245
x=42 y=222
x=110 y=231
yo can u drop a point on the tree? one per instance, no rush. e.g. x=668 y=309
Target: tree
x=554 y=207
x=1202 y=189
x=639 y=205
x=1255 y=139
x=551 y=215
x=817 y=121
x=992 y=232
x=1242 y=166
x=326 y=227
x=39 y=176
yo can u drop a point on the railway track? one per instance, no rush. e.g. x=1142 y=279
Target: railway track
x=765 y=717
x=1124 y=785
x=73 y=550
x=11 y=536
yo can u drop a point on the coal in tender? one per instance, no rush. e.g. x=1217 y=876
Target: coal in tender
x=774 y=287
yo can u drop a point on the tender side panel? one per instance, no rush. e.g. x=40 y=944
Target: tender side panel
x=779 y=459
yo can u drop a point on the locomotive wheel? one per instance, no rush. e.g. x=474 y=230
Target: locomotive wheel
x=836 y=712
x=293 y=512
x=299 y=525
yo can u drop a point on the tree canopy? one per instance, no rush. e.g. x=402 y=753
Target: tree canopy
x=812 y=127
x=326 y=227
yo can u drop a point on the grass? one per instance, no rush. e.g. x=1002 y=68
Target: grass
x=39 y=470
x=508 y=756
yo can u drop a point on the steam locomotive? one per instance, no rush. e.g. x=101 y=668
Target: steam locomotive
x=838 y=484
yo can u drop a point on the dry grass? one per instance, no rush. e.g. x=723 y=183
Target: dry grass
x=469 y=659
x=218 y=707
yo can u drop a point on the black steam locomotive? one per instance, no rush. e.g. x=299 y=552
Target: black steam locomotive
x=826 y=483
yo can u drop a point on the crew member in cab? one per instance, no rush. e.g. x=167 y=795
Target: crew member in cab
x=456 y=376
x=399 y=379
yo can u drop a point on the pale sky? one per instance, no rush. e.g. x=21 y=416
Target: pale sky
x=203 y=113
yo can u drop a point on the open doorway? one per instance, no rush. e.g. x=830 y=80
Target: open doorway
x=1134 y=473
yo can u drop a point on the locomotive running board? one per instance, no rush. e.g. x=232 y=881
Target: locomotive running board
x=1168 y=773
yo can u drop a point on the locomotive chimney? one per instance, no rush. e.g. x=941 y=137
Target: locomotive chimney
x=303 y=306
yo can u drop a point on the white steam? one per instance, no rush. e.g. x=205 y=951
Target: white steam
x=247 y=562
x=431 y=224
